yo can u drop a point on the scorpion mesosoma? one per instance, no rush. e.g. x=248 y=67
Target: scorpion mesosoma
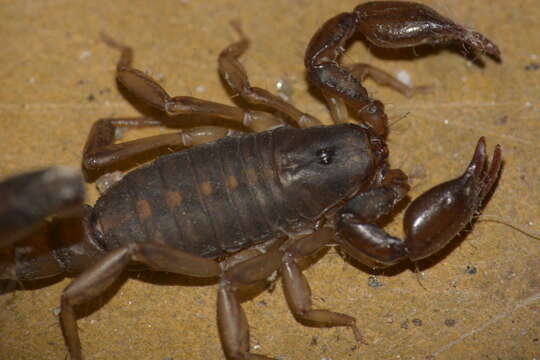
x=260 y=202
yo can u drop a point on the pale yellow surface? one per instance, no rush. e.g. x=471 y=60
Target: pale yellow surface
x=58 y=78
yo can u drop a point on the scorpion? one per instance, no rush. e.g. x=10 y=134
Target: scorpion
x=244 y=207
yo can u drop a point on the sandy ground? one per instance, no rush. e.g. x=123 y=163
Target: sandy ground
x=478 y=301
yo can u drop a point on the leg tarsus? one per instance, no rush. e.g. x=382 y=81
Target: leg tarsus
x=126 y=57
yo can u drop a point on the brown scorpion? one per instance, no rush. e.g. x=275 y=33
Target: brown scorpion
x=242 y=207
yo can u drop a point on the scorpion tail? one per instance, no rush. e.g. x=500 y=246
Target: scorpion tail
x=57 y=247
x=29 y=198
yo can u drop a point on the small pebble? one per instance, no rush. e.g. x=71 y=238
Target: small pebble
x=405 y=324
x=471 y=270
x=449 y=322
x=373 y=282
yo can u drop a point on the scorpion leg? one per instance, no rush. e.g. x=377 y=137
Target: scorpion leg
x=298 y=292
x=431 y=221
x=148 y=90
x=360 y=71
x=384 y=24
x=381 y=77
x=232 y=321
x=234 y=74
x=100 y=276
x=101 y=151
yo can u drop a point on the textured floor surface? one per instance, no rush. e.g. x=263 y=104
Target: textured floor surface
x=479 y=301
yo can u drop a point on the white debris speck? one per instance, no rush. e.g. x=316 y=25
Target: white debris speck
x=85 y=54
x=445 y=121
x=534 y=57
x=272 y=277
x=56 y=311
x=107 y=180
x=284 y=88
x=531 y=223
x=200 y=89
x=256 y=347
x=119 y=132
x=404 y=77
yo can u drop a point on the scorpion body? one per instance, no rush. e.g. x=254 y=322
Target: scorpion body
x=262 y=202
x=217 y=198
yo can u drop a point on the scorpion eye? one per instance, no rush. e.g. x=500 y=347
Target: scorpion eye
x=325 y=155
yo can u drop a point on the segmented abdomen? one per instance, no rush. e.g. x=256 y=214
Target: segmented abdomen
x=208 y=200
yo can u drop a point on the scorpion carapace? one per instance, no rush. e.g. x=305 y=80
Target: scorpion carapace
x=265 y=200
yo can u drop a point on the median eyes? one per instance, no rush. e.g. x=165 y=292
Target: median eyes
x=325 y=155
